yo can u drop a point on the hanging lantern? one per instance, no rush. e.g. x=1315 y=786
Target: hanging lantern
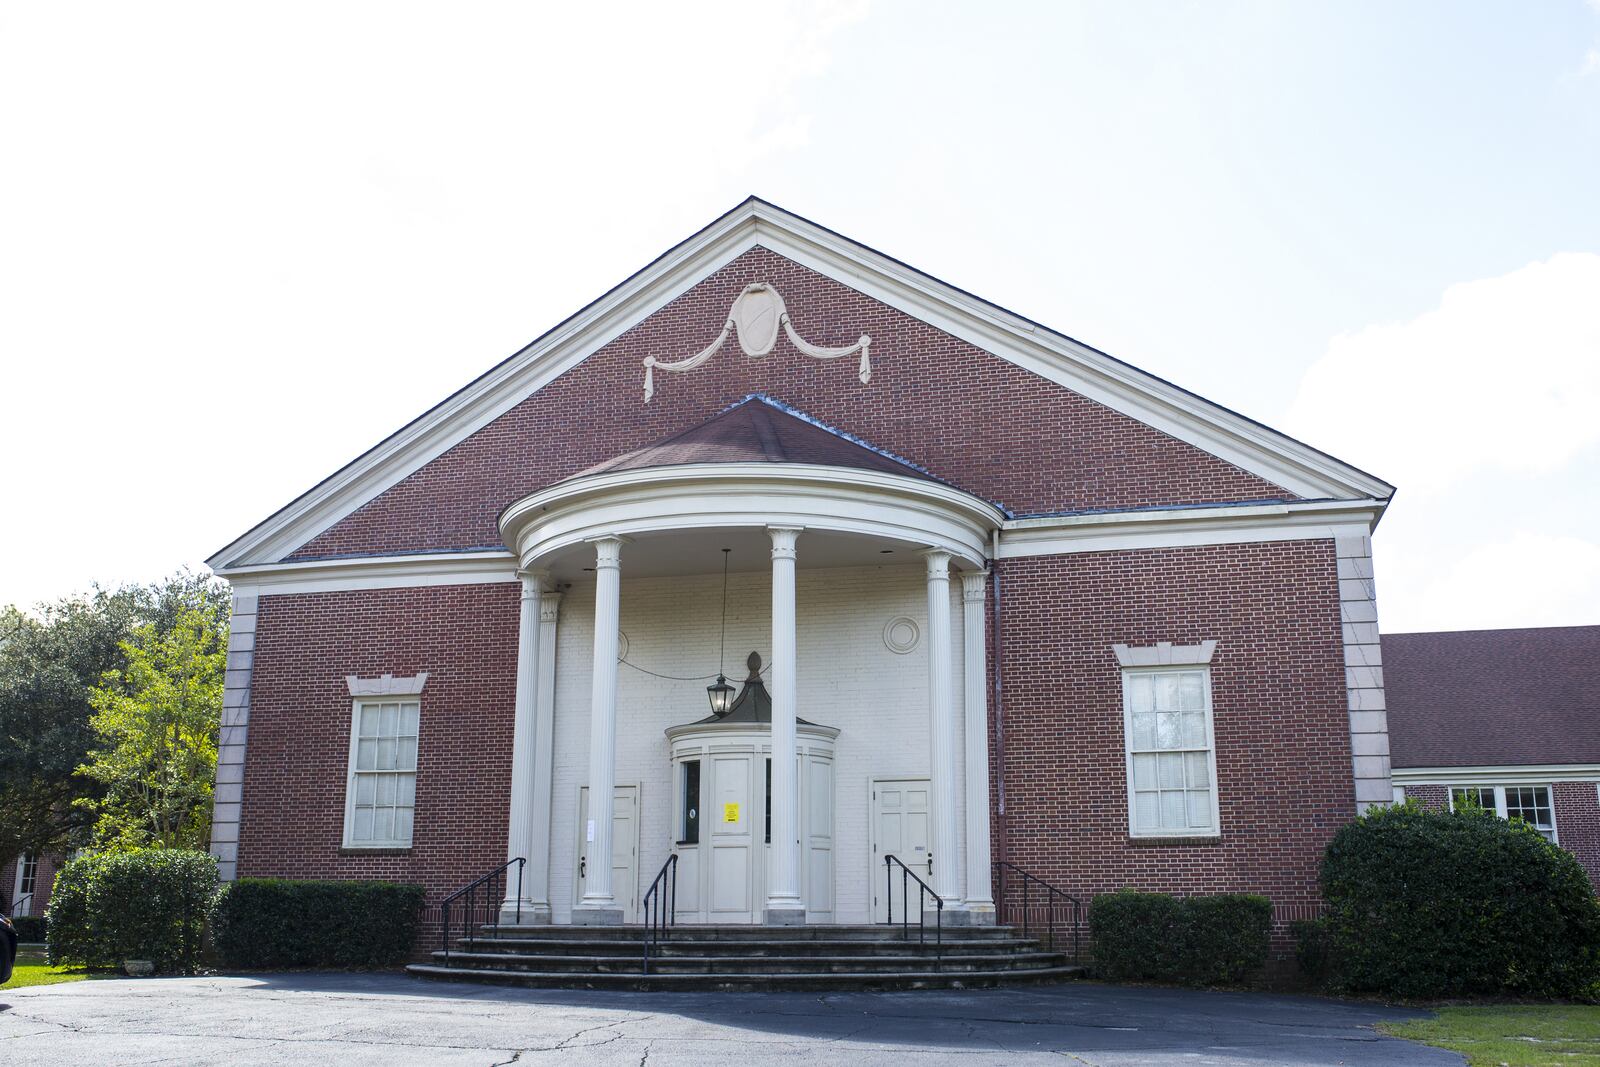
x=719 y=692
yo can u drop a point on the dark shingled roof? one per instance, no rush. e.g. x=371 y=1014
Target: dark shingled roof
x=756 y=430
x=1494 y=698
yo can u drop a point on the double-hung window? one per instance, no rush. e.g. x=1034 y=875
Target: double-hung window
x=381 y=791
x=1530 y=803
x=1172 y=760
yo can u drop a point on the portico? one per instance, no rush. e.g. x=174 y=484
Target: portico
x=789 y=498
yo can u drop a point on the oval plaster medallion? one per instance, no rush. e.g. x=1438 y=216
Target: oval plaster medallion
x=622 y=646
x=901 y=634
x=756 y=315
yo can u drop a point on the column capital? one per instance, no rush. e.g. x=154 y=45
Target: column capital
x=783 y=540
x=973 y=584
x=535 y=580
x=938 y=560
x=549 y=606
x=608 y=551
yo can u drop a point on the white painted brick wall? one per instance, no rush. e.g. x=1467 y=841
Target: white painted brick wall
x=848 y=679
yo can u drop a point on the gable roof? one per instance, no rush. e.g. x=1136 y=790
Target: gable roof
x=1303 y=470
x=758 y=430
x=1493 y=698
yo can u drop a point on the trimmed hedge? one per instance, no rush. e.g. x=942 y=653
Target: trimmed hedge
x=149 y=904
x=266 y=923
x=29 y=927
x=1449 y=903
x=1205 y=940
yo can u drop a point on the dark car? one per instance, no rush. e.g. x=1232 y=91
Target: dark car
x=8 y=949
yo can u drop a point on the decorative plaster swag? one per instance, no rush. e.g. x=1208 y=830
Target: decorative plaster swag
x=757 y=314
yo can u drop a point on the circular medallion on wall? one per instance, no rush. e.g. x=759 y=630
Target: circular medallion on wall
x=901 y=634
x=622 y=646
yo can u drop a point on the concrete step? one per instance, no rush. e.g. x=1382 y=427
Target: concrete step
x=751 y=932
x=753 y=982
x=745 y=965
x=677 y=945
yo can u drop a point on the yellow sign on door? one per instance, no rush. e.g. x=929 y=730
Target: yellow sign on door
x=730 y=813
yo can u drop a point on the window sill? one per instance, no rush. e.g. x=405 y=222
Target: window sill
x=375 y=850
x=1175 y=841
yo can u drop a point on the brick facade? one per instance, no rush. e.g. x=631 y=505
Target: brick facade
x=44 y=881
x=976 y=421
x=465 y=637
x=1278 y=691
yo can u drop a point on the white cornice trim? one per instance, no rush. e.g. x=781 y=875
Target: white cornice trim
x=1297 y=467
x=1123 y=531
x=374 y=572
x=721 y=495
x=1527 y=774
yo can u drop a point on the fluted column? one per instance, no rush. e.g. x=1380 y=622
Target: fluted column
x=598 y=905
x=784 y=904
x=518 y=902
x=942 y=730
x=537 y=878
x=975 y=709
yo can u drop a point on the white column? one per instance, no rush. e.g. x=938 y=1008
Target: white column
x=519 y=825
x=537 y=878
x=975 y=708
x=598 y=906
x=942 y=730
x=784 y=904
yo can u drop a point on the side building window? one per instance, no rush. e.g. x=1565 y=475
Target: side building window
x=1530 y=803
x=381 y=791
x=1172 y=761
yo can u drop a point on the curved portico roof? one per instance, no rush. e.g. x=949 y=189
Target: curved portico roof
x=758 y=430
x=756 y=464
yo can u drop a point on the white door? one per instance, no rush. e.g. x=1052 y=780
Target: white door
x=624 y=848
x=899 y=829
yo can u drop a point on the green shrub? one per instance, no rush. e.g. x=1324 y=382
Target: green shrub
x=1206 y=940
x=149 y=904
x=264 y=923
x=29 y=927
x=1440 y=903
x=1311 y=950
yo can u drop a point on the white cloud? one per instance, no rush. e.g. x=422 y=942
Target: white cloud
x=1531 y=579
x=1503 y=375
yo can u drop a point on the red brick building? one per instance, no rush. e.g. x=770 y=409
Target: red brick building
x=994 y=596
x=26 y=881
x=1509 y=719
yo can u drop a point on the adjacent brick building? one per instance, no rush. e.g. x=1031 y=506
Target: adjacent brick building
x=1013 y=601
x=1509 y=719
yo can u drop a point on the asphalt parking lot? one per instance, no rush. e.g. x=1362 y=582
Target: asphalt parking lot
x=354 y=1020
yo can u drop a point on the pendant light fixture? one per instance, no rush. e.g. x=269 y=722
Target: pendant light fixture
x=720 y=693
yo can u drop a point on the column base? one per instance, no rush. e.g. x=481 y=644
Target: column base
x=969 y=915
x=532 y=914
x=596 y=916
x=785 y=917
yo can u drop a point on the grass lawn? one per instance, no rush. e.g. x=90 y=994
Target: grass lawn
x=1518 y=1035
x=32 y=969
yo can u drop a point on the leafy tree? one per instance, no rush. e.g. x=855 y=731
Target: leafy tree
x=48 y=664
x=156 y=722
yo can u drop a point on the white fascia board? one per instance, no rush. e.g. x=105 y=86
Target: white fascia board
x=1527 y=774
x=1255 y=448
x=1121 y=531
x=373 y=572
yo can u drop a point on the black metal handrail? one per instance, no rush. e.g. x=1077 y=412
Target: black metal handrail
x=1052 y=897
x=660 y=906
x=490 y=905
x=924 y=890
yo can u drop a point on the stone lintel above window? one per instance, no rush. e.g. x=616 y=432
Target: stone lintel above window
x=387 y=686
x=1165 y=654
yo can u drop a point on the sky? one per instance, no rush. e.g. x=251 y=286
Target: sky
x=240 y=244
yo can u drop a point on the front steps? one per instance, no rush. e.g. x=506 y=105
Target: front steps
x=747 y=958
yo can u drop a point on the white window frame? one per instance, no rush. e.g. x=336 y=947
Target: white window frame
x=1500 y=800
x=363 y=691
x=1166 y=658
